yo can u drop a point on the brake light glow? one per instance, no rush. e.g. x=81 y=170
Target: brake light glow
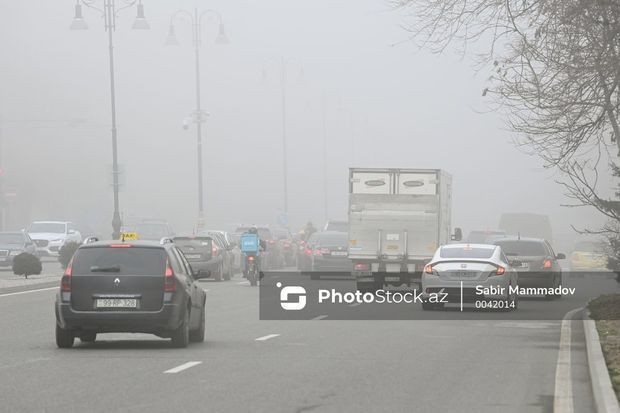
x=308 y=251
x=287 y=245
x=214 y=250
x=272 y=241
x=120 y=245
x=428 y=269
x=65 y=281
x=500 y=271
x=170 y=284
x=362 y=267
x=251 y=258
x=547 y=264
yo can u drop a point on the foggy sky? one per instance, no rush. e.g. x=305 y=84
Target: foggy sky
x=387 y=106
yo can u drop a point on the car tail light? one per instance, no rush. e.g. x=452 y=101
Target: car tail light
x=214 y=251
x=500 y=271
x=287 y=245
x=318 y=251
x=250 y=258
x=362 y=266
x=170 y=284
x=65 y=281
x=272 y=241
x=547 y=264
x=428 y=269
x=308 y=251
x=120 y=245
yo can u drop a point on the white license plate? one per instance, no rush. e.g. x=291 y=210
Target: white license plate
x=387 y=279
x=525 y=265
x=339 y=253
x=192 y=255
x=116 y=303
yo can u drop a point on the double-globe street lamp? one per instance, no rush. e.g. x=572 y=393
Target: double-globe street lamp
x=199 y=116
x=109 y=12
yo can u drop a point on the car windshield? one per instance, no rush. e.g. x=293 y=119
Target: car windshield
x=466 y=252
x=523 y=248
x=8 y=238
x=332 y=240
x=151 y=231
x=340 y=226
x=51 y=227
x=120 y=261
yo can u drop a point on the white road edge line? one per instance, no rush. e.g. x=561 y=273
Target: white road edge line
x=29 y=291
x=182 y=367
x=320 y=317
x=563 y=394
x=267 y=337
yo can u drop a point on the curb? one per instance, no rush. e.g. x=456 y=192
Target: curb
x=605 y=399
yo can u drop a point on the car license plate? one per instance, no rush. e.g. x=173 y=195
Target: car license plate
x=116 y=303
x=392 y=279
x=192 y=256
x=525 y=265
x=464 y=274
x=339 y=253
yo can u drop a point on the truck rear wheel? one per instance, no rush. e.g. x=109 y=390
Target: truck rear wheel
x=368 y=287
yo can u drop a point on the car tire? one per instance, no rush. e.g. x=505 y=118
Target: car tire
x=198 y=335
x=180 y=336
x=88 y=337
x=64 y=338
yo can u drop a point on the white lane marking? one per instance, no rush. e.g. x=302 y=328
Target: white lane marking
x=320 y=317
x=182 y=367
x=267 y=337
x=29 y=291
x=461 y=296
x=354 y=304
x=244 y=283
x=563 y=394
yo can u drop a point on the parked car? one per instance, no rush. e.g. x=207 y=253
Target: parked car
x=538 y=263
x=588 y=256
x=49 y=236
x=475 y=266
x=222 y=248
x=198 y=251
x=14 y=243
x=330 y=254
x=129 y=287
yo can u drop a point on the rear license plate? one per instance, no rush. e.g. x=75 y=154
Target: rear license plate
x=387 y=279
x=525 y=265
x=464 y=274
x=339 y=253
x=192 y=256
x=116 y=303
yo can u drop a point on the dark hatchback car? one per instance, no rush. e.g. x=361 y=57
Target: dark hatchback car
x=535 y=261
x=129 y=287
x=199 y=252
x=13 y=244
x=330 y=254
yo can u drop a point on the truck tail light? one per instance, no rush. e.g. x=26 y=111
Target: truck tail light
x=170 y=284
x=65 y=281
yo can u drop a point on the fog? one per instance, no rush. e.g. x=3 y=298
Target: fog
x=387 y=104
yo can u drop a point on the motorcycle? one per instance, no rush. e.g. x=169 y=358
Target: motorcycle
x=251 y=269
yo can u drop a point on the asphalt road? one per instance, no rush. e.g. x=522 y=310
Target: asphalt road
x=288 y=366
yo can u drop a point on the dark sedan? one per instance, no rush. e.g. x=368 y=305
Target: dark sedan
x=330 y=254
x=534 y=260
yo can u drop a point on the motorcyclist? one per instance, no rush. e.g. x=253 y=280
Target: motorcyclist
x=308 y=231
x=262 y=247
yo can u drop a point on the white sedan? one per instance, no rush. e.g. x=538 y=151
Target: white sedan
x=477 y=275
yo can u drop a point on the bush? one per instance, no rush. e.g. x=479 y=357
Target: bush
x=66 y=253
x=26 y=264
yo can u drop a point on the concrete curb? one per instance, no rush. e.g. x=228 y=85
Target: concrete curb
x=604 y=396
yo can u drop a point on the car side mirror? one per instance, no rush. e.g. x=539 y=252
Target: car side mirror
x=458 y=234
x=560 y=256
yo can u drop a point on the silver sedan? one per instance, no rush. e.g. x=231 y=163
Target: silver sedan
x=477 y=275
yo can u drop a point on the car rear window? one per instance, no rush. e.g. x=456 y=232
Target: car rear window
x=120 y=261
x=332 y=240
x=523 y=248
x=466 y=252
x=198 y=244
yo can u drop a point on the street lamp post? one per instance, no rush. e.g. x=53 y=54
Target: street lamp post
x=284 y=64
x=199 y=116
x=110 y=13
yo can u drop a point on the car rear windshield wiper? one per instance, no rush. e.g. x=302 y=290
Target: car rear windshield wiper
x=112 y=268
